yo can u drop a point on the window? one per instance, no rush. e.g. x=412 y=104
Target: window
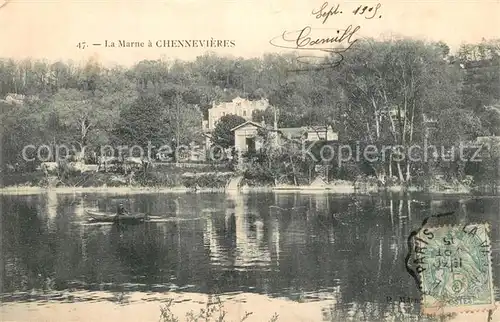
x=238 y=104
x=244 y=113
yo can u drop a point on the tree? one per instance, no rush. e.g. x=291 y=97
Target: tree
x=27 y=125
x=82 y=113
x=280 y=161
x=145 y=121
x=381 y=94
x=481 y=66
x=481 y=63
x=389 y=87
x=491 y=119
x=223 y=136
x=185 y=117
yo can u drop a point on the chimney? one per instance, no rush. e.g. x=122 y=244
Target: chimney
x=263 y=123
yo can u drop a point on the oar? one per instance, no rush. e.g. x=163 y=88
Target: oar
x=149 y=216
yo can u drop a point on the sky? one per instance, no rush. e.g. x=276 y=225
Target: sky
x=51 y=30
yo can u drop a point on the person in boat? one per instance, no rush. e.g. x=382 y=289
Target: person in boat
x=121 y=211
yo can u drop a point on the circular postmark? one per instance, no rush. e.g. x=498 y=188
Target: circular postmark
x=454 y=266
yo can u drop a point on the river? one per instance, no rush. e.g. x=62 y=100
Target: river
x=347 y=249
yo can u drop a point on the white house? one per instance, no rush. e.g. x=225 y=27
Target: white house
x=238 y=106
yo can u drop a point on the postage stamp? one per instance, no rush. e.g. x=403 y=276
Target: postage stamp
x=454 y=267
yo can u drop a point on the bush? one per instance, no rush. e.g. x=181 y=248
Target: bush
x=23 y=179
x=157 y=178
x=214 y=311
x=207 y=181
x=255 y=175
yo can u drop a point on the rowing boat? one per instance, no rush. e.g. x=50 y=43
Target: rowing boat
x=95 y=216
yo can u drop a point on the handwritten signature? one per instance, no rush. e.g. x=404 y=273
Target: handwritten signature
x=332 y=41
x=329 y=40
x=302 y=39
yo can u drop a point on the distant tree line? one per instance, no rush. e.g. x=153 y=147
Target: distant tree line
x=383 y=93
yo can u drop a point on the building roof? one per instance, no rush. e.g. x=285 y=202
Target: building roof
x=318 y=127
x=288 y=132
x=238 y=99
x=292 y=131
x=247 y=123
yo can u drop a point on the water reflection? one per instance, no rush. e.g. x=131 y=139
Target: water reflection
x=299 y=246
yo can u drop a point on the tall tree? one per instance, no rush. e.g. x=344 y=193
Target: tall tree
x=390 y=86
x=82 y=114
x=145 y=121
x=222 y=135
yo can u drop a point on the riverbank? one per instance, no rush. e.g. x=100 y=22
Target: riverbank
x=166 y=307
x=353 y=189
x=20 y=190
x=29 y=190
x=209 y=182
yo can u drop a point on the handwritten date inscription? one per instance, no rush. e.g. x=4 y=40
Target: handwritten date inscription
x=326 y=11
x=454 y=264
x=333 y=41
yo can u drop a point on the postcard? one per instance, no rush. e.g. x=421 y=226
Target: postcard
x=251 y=160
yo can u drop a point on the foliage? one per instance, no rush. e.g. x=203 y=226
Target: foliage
x=394 y=92
x=213 y=312
x=157 y=178
x=223 y=136
x=277 y=164
x=391 y=87
x=482 y=77
x=145 y=121
x=213 y=180
x=23 y=179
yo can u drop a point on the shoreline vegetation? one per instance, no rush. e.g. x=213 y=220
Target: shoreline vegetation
x=215 y=182
x=408 y=115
